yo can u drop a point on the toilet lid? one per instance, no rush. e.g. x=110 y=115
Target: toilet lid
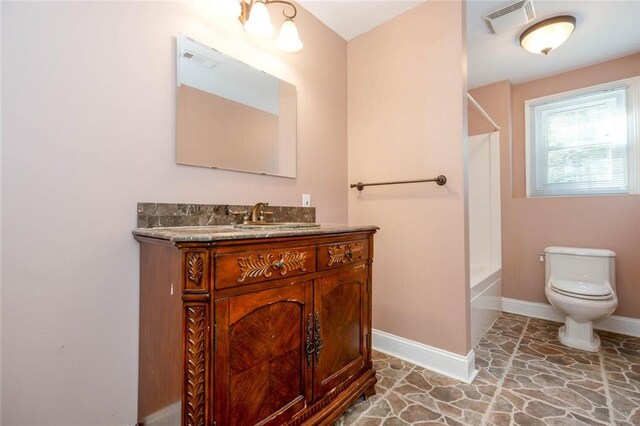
x=582 y=296
x=583 y=289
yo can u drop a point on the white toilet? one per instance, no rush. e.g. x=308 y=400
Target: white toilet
x=581 y=284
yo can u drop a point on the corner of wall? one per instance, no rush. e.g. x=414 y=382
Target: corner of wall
x=465 y=173
x=1 y=38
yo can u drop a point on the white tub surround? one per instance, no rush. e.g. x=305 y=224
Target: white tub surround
x=486 y=299
x=485 y=245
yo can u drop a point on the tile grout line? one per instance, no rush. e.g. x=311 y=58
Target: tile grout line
x=415 y=368
x=383 y=396
x=605 y=382
x=485 y=416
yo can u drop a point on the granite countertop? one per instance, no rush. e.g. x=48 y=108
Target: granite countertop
x=178 y=234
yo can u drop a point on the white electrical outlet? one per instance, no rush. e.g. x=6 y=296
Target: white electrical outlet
x=306 y=200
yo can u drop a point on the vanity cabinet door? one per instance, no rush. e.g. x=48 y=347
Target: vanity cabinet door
x=262 y=371
x=340 y=327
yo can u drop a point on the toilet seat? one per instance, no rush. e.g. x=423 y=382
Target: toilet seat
x=582 y=289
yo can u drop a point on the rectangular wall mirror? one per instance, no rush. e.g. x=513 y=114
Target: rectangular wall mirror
x=232 y=116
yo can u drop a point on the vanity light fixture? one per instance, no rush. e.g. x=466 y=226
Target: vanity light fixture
x=228 y=8
x=543 y=37
x=256 y=21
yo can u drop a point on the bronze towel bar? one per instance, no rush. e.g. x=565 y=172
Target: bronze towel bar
x=440 y=180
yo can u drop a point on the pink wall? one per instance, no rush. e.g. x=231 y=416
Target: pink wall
x=288 y=128
x=406 y=121
x=214 y=131
x=530 y=224
x=88 y=94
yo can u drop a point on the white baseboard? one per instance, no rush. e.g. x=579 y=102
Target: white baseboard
x=168 y=416
x=615 y=323
x=456 y=366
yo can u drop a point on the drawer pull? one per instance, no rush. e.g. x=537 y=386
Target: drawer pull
x=290 y=261
x=344 y=253
x=263 y=265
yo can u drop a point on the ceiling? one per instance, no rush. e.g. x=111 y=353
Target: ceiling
x=606 y=29
x=355 y=17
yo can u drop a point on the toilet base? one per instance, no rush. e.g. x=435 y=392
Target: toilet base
x=579 y=335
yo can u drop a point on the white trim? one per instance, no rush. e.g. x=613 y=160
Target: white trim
x=456 y=366
x=614 y=323
x=632 y=85
x=167 y=416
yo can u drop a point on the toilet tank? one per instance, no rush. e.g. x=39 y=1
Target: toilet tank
x=580 y=264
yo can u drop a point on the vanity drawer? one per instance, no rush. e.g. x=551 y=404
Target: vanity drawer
x=247 y=267
x=342 y=253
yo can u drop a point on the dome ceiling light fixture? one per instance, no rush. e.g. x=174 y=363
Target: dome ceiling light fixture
x=547 y=35
x=254 y=16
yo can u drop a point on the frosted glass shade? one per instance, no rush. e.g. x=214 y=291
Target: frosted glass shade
x=547 y=35
x=289 y=39
x=229 y=8
x=259 y=22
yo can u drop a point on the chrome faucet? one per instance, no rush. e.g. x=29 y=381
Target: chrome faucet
x=257 y=212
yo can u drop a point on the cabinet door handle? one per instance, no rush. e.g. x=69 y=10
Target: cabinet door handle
x=310 y=345
x=319 y=343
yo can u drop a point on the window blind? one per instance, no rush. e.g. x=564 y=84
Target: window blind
x=579 y=145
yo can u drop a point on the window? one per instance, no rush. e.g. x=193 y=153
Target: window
x=583 y=142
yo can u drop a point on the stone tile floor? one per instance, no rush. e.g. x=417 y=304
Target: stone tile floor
x=526 y=378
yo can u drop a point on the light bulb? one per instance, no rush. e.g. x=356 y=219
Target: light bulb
x=259 y=22
x=289 y=40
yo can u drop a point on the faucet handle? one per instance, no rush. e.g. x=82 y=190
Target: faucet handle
x=235 y=213
x=265 y=213
x=244 y=213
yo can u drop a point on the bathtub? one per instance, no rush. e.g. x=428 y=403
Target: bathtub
x=486 y=302
x=485 y=237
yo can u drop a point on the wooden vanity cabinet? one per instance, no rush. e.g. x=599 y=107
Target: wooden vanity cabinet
x=273 y=331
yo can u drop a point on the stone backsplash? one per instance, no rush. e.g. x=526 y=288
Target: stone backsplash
x=154 y=215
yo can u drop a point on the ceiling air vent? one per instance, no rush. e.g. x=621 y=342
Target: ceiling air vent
x=205 y=62
x=515 y=15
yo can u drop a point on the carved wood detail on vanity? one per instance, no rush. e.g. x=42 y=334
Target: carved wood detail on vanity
x=235 y=268
x=196 y=271
x=195 y=395
x=345 y=253
x=196 y=267
x=264 y=265
x=290 y=261
x=366 y=377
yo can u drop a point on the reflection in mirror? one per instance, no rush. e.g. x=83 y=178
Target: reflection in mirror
x=232 y=116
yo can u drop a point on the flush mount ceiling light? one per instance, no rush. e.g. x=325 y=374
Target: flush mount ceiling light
x=547 y=35
x=254 y=16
